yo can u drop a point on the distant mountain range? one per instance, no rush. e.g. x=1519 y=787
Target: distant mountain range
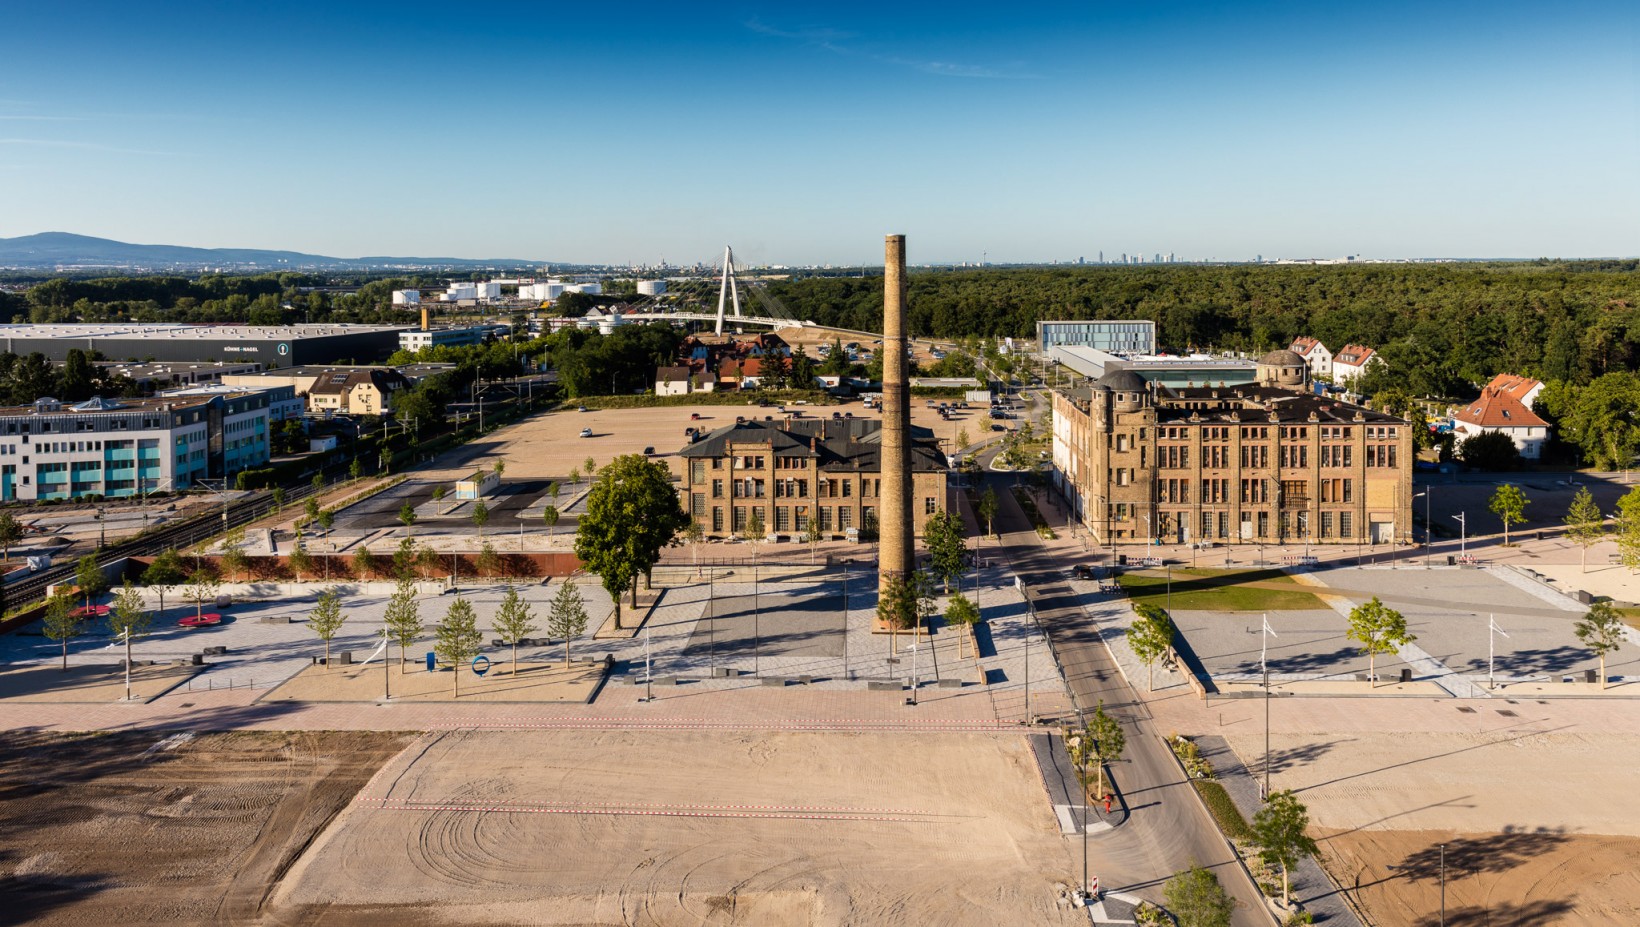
x=52 y=250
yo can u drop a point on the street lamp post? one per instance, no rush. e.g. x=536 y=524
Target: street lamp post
x=1265 y=634
x=1463 y=534
x=1429 y=529
x=1491 y=649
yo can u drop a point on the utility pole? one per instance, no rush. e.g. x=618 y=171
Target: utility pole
x=1491 y=650
x=1264 y=667
x=1463 y=534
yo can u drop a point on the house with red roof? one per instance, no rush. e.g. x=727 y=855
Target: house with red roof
x=1352 y=361
x=1315 y=354
x=1524 y=389
x=1498 y=410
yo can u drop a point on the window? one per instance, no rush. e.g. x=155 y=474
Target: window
x=1326 y=524
x=1344 y=524
x=928 y=506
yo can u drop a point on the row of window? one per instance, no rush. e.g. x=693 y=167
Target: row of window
x=1254 y=491
x=788 y=518
x=1252 y=525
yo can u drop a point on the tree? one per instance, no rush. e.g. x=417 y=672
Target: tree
x=1509 y=504
x=202 y=587
x=567 y=615
x=513 y=622
x=480 y=516
x=355 y=470
x=325 y=621
x=326 y=519
x=458 y=639
x=1585 y=524
x=310 y=507
x=403 y=618
x=166 y=571
x=802 y=375
x=89 y=577
x=1379 y=629
x=1489 y=450
x=632 y=513
x=812 y=535
x=364 y=563
x=60 y=623
x=11 y=531
x=1196 y=899
x=945 y=538
x=962 y=440
x=590 y=467
x=234 y=563
x=753 y=532
x=500 y=467
x=127 y=620
x=1150 y=636
x=1102 y=742
x=1628 y=529
x=1601 y=630
x=549 y=515
x=438 y=499
x=301 y=562
x=278 y=499
x=407 y=515
x=318 y=482
x=405 y=559
x=1278 y=830
x=964 y=614
x=488 y=562
x=987 y=510
x=574 y=475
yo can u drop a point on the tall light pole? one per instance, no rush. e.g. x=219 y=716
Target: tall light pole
x=1429 y=529
x=1491 y=650
x=1443 y=885
x=1463 y=534
x=1264 y=667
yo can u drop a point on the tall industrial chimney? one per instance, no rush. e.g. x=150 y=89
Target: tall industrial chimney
x=894 y=523
x=424 y=325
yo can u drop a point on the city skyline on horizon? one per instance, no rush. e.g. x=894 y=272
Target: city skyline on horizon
x=801 y=135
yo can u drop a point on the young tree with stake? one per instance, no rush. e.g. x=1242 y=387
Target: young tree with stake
x=488 y=562
x=439 y=493
x=567 y=615
x=60 y=623
x=403 y=618
x=1509 y=504
x=1379 y=629
x=458 y=639
x=812 y=535
x=1278 y=830
x=1601 y=630
x=986 y=509
x=513 y=622
x=201 y=588
x=89 y=577
x=165 y=572
x=364 y=563
x=549 y=515
x=1150 y=636
x=1585 y=525
x=301 y=562
x=480 y=517
x=947 y=545
x=1102 y=742
x=326 y=619
x=127 y=619
x=407 y=516
x=964 y=614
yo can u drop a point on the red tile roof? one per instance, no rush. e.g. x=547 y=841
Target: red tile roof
x=1514 y=385
x=1354 y=355
x=1498 y=409
x=1304 y=344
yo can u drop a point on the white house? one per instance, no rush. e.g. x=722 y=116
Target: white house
x=1496 y=410
x=1352 y=361
x=672 y=381
x=1315 y=354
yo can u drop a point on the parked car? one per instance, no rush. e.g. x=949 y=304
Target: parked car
x=586 y=432
x=694 y=416
x=580 y=408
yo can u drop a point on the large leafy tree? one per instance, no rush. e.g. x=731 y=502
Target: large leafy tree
x=1598 y=419
x=1628 y=529
x=1489 y=450
x=1279 y=831
x=632 y=514
x=1379 y=629
x=11 y=531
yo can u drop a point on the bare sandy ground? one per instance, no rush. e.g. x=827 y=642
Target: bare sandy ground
x=691 y=827
x=536 y=682
x=48 y=682
x=1524 y=878
x=136 y=829
x=1542 y=827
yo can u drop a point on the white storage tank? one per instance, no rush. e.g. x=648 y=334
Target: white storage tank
x=651 y=287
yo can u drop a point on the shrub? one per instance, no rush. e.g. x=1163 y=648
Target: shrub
x=1224 y=810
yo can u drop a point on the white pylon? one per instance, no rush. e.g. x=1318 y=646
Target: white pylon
x=727 y=289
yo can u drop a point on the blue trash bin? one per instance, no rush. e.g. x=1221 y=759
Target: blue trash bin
x=432 y=662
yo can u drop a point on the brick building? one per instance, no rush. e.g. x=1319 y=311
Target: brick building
x=1267 y=463
x=791 y=471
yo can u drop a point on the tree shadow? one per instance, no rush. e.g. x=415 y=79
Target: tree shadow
x=1490 y=853
x=1302 y=662
x=1542 y=660
x=1530 y=914
x=31 y=893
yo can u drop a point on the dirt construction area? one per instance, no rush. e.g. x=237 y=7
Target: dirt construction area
x=694 y=827
x=140 y=829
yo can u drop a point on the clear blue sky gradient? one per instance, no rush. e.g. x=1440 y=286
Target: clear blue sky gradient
x=803 y=133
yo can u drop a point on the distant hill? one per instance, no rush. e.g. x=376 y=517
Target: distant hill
x=65 y=249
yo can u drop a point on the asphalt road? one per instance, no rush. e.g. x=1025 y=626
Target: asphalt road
x=1168 y=829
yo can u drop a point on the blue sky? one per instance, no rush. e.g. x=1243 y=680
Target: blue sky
x=803 y=132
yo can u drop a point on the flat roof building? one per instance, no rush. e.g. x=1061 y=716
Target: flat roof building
x=1130 y=336
x=270 y=345
x=1188 y=370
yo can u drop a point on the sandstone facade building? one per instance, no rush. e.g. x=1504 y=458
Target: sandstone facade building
x=1267 y=463
x=791 y=471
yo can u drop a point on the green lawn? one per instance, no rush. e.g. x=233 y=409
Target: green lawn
x=1631 y=615
x=1220 y=590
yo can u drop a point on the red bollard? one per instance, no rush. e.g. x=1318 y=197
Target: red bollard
x=1107 y=804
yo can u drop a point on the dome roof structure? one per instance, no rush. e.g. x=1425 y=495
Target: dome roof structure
x=1281 y=359
x=1124 y=381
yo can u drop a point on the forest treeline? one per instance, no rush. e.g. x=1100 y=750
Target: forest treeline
x=1445 y=327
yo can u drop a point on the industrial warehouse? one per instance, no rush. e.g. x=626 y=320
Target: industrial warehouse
x=271 y=346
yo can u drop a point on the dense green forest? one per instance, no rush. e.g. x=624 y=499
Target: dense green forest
x=1444 y=327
